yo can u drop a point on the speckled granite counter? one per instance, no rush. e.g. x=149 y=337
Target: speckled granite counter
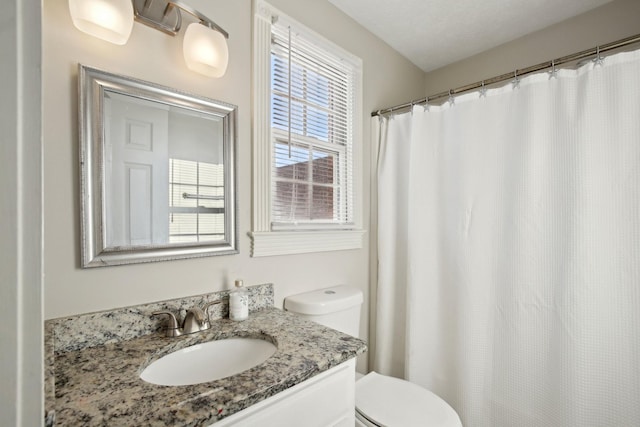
x=100 y=385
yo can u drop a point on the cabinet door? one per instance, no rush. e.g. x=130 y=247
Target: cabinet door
x=327 y=400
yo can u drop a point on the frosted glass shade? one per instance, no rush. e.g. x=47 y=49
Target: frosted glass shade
x=205 y=50
x=110 y=20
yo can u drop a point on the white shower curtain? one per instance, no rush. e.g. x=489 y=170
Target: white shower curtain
x=509 y=249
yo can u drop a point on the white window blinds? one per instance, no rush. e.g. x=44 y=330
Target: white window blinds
x=313 y=90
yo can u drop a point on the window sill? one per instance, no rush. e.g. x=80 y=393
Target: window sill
x=270 y=243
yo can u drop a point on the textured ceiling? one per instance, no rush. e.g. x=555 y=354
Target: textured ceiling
x=435 y=33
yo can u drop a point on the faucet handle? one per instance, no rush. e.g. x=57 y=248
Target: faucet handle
x=205 y=311
x=209 y=304
x=173 y=330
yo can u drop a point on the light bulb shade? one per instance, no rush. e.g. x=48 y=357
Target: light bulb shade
x=110 y=20
x=205 y=50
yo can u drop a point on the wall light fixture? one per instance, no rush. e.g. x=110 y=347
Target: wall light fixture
x=204 y=45
x=110 y=20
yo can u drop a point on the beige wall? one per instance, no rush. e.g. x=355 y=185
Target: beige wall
x=153 y=56
x=613 y=21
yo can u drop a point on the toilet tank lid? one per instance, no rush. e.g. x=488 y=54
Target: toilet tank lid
x=324 y=301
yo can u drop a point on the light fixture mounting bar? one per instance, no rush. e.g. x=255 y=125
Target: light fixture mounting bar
x=157 y=14
x=164 y=15
x=203 y=19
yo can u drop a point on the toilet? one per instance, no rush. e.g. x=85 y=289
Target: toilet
x=380 y=400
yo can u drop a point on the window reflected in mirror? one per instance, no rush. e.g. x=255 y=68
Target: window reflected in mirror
x=196 y=201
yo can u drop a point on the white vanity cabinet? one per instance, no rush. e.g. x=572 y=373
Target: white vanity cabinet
x=328 y=399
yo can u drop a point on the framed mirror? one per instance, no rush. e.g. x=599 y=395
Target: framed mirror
x=158 y=172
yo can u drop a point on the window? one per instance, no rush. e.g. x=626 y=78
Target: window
x=311 y=133
x=307 y=121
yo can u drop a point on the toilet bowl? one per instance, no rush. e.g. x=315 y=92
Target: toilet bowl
x=380 y=400
x=391 y=402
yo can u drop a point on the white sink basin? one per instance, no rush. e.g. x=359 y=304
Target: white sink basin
x=209 y=361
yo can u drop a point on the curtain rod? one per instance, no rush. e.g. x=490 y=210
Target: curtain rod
x=517 y=73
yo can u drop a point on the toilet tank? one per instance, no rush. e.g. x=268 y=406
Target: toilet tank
x=337 y=307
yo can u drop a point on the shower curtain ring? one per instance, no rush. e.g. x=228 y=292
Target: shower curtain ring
x=598 y=59
x=516 y=80
x=452 y=100
x=483 y=90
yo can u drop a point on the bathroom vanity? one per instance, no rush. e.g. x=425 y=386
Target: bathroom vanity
x=309 y=379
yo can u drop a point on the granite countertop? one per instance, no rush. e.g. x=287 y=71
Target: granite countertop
x=101 y=385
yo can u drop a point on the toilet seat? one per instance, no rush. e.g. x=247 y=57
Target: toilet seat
x=392 y=402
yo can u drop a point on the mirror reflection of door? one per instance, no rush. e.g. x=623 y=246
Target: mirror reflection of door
x=136 y=171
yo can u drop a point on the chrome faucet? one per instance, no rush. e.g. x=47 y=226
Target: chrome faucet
x=196 y=320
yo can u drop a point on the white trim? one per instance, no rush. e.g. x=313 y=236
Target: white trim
x=21 y=316
x=261 y=109
x=265 y=241
x=299 y=242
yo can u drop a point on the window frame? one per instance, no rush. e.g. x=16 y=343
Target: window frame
x=269 y=238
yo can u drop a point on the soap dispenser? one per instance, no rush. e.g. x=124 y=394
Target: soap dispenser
x=238 y=302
